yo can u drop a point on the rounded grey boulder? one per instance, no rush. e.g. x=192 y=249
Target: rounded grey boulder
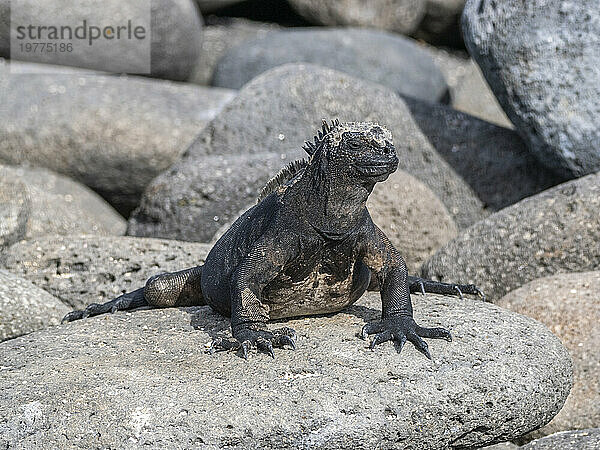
x=25 y=308
x=113 y=134
x=392 y=60
x=568 y=440
x=274 y=114
x=401 y=16
x=218 y=36
x=568 y=305
x=80 y=270
x=555 y=231
x=55 y=205
x=143 y=379
x=175 y=35
x=541 y=59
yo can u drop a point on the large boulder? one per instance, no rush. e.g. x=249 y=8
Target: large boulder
x=275 y=114
x=568 y=440
x=568 y=305
x=555 y=231
x=25 y=308
x=493 y=160
x=392 y=60
x=412 y=217
x=218 y=36
x=401 y=16
x=541 y=58
x=80 y=270
x=143 y=379
x=52 y=204
x=175 y=33
x=113 y=134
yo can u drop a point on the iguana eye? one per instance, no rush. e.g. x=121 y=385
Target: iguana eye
x=354 y=145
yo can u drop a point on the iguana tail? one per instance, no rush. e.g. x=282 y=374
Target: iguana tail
x=165 y=290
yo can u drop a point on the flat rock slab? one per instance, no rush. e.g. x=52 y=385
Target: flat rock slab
x=57 y=205
x=568 y=440
x=111 y=133
x=223 y=170
x=552 y=232
x=25 y=308
x=143 y=379
x=392 y=60
x=92 y=269
x=541 y=59
x=568 y=305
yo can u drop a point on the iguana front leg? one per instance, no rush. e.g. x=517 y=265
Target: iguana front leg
x=397 y=323
x=249 y=315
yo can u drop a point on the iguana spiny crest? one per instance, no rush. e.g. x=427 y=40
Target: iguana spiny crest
x=341 y=149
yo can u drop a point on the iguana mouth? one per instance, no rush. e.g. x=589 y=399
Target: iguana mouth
x=375 y=170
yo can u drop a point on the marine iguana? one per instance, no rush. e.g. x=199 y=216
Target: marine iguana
x=307 y=247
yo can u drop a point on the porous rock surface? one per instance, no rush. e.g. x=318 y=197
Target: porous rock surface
x=175 y=33
x=80 y=270
x=493 y=160
x=412 y=217
x=556 y=231
x=113 y=134
x=392 y=60
x=568 y=305
x=25 y=308
x=401 y=16
x=276 y=113
x=541 y=58
x=143 y=379
x=568 y=440
x=54 y=205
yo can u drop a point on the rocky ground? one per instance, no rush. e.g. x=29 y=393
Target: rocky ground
x=106 y=180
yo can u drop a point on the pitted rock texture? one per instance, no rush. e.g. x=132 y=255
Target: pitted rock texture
x=401 y=16
x=81 y=270
x=541 y=58
x=57 y=205
x=113 y=134
x=276 y=113
x=218 y=36
x=493 y=160
x=568 y=305
x=25 y=308
x=143 y=379
x=556 y=231
x=175 y=33
x=412 y=217
x=392 y=60
x=568 y=440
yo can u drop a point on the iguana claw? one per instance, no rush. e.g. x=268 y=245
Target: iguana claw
x=400 y=329
x=265 y=341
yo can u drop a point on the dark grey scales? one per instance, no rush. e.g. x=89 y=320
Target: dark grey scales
x=307 y=247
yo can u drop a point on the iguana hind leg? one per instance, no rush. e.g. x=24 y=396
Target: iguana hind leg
x=165 y=290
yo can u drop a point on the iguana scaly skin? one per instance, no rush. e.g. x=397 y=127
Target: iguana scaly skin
x=307 y=247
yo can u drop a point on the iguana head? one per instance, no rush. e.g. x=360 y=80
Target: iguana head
x=361 y=151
